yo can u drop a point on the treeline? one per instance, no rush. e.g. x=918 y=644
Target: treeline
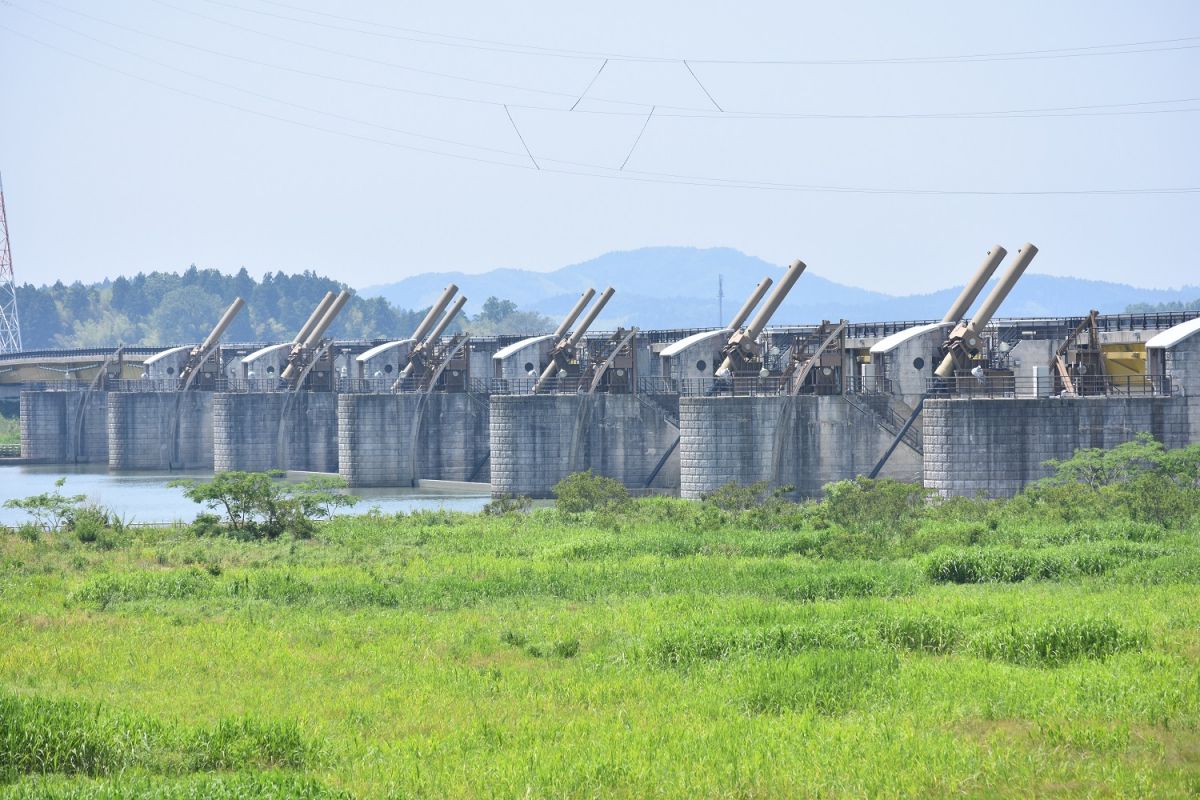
x=165 y=308
x=1174 y=305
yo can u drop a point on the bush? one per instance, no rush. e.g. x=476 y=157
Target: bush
x=507 y=504
x=583 y=491
x=878 y=507
x=88 y=523
x=259 y=504
x=736 y=497
x=1140 y=478
x=206 y=525
x=50 y=510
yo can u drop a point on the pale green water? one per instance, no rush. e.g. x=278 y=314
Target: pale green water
x=145 y=496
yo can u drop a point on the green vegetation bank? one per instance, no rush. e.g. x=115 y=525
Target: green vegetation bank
x=868 y=645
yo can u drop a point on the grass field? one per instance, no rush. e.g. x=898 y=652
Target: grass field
x=668 y=649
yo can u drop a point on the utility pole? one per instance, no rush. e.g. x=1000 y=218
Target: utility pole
x=10 y=326
x=720 y=299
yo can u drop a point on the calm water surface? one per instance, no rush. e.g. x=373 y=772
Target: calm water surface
x=145 y=496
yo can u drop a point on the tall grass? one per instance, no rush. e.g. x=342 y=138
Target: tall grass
x=672 y=650
x=44 y=736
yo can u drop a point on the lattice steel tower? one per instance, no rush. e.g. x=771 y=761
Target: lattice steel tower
x=10 y=325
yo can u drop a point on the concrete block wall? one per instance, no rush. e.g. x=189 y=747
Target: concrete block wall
x=805 y=442
x=246 y=431
x=724 y=439
x=143 y=434
x=996 y=447
x=1183 y=368
x=537 y=440
x=393 y=440
x=373 y=437
x=53 y=433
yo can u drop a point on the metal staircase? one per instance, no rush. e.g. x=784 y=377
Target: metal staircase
x=890 y=415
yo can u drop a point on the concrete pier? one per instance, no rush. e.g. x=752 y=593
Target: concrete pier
x=398 y=439
x=996 y=447
x=537 y=440
x=258 y=431
x=1175 y=355
x=67 y=427
x=805 y=441
x=160 y=430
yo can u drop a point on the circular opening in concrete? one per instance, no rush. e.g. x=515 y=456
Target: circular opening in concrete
x=170 y=370
x=388 y=368
x=701 y=365
x=270 y=370
x=529 y=366
x=918 y=363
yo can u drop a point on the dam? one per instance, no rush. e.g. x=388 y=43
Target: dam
x=968 y=404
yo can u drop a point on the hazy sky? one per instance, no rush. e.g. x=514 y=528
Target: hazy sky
x=152 y=134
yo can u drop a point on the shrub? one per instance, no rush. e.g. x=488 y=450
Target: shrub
x=88 y=523
x=736 y=497
x=206 y=525
x=50 y=510
x=259 y=504
x=879 y=507
x=1140 y=477
x=507 y=504
x=584 y=491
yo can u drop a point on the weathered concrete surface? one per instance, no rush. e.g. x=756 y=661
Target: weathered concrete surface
x=995 y=447
x=397 y=439
x=1181 y=365
x=537 y=440
x=160 y=430
x=805 y=442
x=257 y=431
x=54 y=431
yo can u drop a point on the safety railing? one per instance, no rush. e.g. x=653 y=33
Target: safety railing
x=142 y=385
x=992 y=386
x=56 y=386
x=877 y=384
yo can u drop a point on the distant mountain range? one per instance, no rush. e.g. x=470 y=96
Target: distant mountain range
x=668 y=287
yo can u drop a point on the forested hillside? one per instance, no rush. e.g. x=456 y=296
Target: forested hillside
x=1178 y=305
x=164 y=308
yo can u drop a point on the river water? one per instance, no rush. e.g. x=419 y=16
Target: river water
x=145 y=496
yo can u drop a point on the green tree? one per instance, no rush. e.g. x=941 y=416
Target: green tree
x=499 y=317
x=50 y=510
x=260 y=504
x=184 y=315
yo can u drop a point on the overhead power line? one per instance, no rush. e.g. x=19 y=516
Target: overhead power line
x=581 y=169
x=587 y=88
x=645 y=125
x=271 y=98
x=681 y=112
x=492 y=45
x=707 y=93
x=522 y=138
